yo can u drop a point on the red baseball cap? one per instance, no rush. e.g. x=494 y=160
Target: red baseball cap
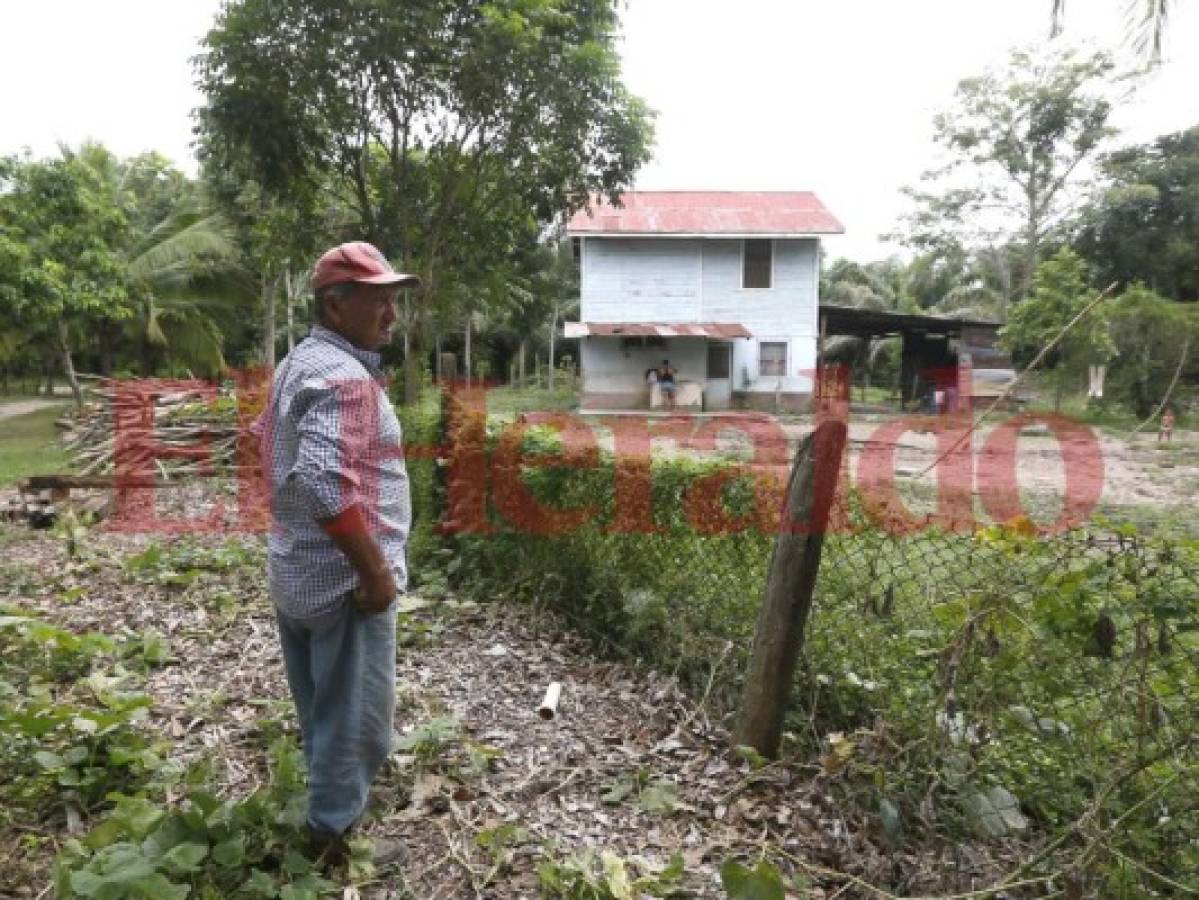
x=357 y=261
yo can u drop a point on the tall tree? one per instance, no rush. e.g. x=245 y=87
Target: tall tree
x=1155 y=340
x=446 y=126
x=1060 y=293
x=1014 y=142
x=1144 y=224
x=61 y=239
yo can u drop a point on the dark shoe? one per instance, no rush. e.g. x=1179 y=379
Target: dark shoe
x=326 y=848
x=331 y=850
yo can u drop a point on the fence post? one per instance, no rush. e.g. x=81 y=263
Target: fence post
x=790 y=581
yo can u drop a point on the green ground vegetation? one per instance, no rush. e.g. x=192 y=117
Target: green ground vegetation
x=30 y=445
x=992 y=682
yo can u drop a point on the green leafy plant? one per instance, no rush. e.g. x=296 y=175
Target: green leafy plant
x=762 y=882
x=607 y=876
x=655 y=795
x=207 y=847
x=181 y=563
x=429 y=740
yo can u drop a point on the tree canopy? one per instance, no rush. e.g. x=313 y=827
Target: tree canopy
x=1144 y=224
x=1014 y=141
x=62 y=230
x=1060 y=292
x=446 y=126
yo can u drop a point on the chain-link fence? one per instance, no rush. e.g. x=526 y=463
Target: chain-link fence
x=1029 y=691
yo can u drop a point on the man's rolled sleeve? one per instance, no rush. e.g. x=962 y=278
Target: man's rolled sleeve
x=323 y=469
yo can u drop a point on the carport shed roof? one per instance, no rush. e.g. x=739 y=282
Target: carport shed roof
x=875 y=322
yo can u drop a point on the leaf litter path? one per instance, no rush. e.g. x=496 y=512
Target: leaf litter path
x=481 y=789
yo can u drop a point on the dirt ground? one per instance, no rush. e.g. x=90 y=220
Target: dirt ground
x=1137 y=476
x=1133 y=471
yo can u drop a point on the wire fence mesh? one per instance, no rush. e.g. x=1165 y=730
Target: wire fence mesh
x=1040 y=690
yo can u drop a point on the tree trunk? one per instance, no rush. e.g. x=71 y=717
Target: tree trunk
x=466 y=352
x=64 y=346
x=553 y=333
x=412 y=351
x=145 y=348
x=1061 y=382
x=268 y=323
x=1031 y=237
x=290 y=287
x=520 y=362
x=107 y=343
x=790 y=582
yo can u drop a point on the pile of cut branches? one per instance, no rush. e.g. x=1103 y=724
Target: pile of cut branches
x=176 y=434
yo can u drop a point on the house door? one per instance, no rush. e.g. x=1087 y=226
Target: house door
x=718 y=391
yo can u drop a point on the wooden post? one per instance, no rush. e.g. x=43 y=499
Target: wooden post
x=790 y=582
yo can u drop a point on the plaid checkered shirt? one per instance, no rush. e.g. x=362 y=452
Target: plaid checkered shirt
x=330 y=439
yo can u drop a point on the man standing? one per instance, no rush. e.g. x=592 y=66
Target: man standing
x=339 y=492
x=666 y=383
x=1166 y=432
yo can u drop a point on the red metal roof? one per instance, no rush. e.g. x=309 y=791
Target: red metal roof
x=707 y=213
x=652 y=329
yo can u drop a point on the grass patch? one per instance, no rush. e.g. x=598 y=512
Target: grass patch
x=509 y=401
x=875 y=394
x=31 y=445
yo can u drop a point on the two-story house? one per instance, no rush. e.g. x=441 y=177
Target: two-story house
x=725 y=285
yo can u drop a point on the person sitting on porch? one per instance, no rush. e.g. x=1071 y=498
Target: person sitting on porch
x=666 y=383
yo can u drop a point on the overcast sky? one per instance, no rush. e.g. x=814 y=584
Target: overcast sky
x=835 y=97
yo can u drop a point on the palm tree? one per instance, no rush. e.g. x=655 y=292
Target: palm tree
x=187 y=275
x=1145 y=25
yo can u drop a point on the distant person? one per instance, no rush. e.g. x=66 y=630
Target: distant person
x=1166 y=432
x=666 y=383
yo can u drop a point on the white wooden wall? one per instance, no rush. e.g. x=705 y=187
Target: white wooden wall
x=608 y=367
x=680 y=280
x=641 y=280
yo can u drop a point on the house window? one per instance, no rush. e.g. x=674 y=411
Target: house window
x=772 y=358
x=757 y=263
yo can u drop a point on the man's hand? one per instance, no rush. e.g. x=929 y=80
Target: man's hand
x=375 y=592
x=376 y=585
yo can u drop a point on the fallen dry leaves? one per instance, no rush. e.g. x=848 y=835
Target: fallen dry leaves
x=485 y=669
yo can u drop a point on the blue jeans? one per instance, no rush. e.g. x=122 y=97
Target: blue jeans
x=341 y=669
